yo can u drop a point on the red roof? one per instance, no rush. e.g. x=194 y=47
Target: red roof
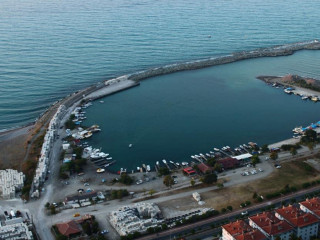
x=313 y=205
x=228 y=162
x=270 y=223
x=296 y=217
x=69 y=228
x=189 y=170
x=240 y=230
x=204 y=168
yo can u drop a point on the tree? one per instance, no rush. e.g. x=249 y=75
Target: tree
x=217 y=167
x=47 y=205
x=310 y=146
x=293 y=151
x=151 y=192
x=274 y=155
x=168 y=181
x=53 y=209
x=126 y=179
x=192 y=182
x=211 y=162
x=209 y=178
x=265 y=148
x=254 y=160
x=163 y=171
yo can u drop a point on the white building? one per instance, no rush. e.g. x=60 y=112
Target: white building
x=17 y=231
x=10 y=181
x=305 y=224
x=136 y=218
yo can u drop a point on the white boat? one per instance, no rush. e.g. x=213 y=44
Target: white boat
x=144 y=166
x=304 y=97
x=211 y=152
x=157 y=162
x=130 y=145
x=178 y=164
x=148 y=168
x=100 y=170
x=164 y=161
x=193 y=157
x=109 y=158
x=228 y=147
x=216 y=149
x=208 y=155
x=201 y=155
x=99 y=155
x=184 y=164
x=171 y=162
x=107 y=165
x=197 y=156
x=101 y=101
x=138 y=168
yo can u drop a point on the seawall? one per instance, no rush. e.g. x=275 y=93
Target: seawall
x=283 y=50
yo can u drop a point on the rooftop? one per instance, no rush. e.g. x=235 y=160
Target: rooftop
x=270 y=223
x=240 y=230
x=69 y=228
x=313 y=205
x=297 y=217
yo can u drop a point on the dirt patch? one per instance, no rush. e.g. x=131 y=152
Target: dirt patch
x=292 y=173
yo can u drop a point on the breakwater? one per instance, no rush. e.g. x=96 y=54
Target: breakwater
x=282 y=50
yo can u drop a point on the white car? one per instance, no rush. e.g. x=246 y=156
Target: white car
x=104 y=231
x=244 y=213
x=139 y=182
x=260 y=170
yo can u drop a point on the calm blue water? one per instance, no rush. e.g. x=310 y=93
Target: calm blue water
x=185 y=113
x=51 y=48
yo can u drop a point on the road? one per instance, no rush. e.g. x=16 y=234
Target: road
x=229 y=216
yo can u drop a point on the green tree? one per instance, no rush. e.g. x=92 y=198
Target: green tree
x=293 y=151
x=274 y=155
x=126 y=179
x=310 y=146
x=217 y=167
x=192 y=182
x=168 y=181
x=211 y=162
x=255 y=160
x=151 y=192
x=163 y=171
x=209 y=178
x=47 y=205
x=265 y=148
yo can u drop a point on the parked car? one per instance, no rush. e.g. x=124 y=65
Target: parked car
x=104 y=231
x=86 y=184
x=244 y=213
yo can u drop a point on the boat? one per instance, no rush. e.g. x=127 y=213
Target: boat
x=201 y=155
x=208 y=155
x=288 y=90
x=101 y=101
x=130 y=145
x=99 y=155
x=193 y=157
x=148 y=168
x=109 y=158
x=178 y=164
x=297 y=129
x=304 y=97
x=171 y=162
x=216 y=149
x=107 y=165
x=184 y=164
x=211 y=152
x=164 y=161
x=138 y=169
x=157 y=162
x=315 y=99
x=144 y=166
x=197 y=156
x=100 y=170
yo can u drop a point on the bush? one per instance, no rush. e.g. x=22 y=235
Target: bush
x=126 y=179
x=209 y=178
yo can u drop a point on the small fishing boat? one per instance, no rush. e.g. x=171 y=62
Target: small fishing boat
x=130 y=145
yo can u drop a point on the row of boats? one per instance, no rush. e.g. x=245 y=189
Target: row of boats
x=291 y=90
x=301 y=130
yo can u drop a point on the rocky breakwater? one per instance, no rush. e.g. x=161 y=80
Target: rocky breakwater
x=282 y=50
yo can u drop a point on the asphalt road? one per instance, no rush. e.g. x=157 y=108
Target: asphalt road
x=229 y=216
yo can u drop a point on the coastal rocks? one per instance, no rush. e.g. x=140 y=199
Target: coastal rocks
x=282 y=50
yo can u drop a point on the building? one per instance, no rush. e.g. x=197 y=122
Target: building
x=69 y=229
x=137 y=218
x=311 y=206
x=80 y=198
x=204 y=168
x=228 y=163
x=305 y=224
x=240 y=230
x=17 y=231
x=271 y=226
x=189 y=171
x=10 y=181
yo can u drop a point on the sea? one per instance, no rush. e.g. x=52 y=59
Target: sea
x=51 y=48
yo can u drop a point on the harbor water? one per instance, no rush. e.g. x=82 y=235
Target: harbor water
x=181 y=114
